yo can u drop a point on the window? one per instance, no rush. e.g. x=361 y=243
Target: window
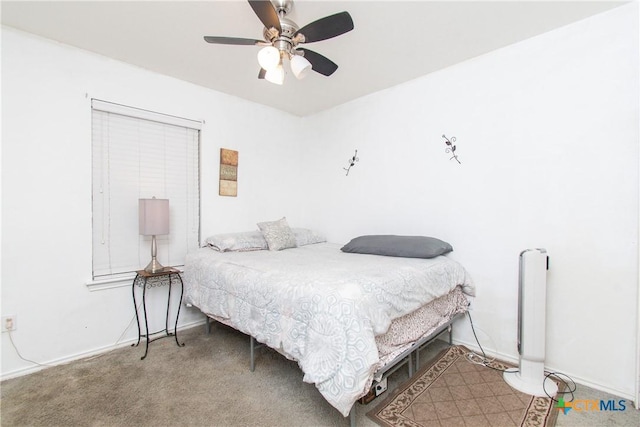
x=141 y=154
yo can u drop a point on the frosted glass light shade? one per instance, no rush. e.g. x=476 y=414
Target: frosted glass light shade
x=275 y=75
x=300 y=66
x=269 y=57
x=153 y=216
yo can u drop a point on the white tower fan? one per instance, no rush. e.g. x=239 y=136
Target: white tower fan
x=532 y=295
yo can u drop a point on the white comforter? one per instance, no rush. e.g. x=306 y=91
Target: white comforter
x=318 y=305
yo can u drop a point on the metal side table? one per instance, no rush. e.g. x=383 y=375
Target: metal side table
x=168 y=276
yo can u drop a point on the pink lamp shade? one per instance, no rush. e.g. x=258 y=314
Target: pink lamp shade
x=154 y=216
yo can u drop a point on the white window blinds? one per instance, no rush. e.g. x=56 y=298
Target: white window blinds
x=140 y=154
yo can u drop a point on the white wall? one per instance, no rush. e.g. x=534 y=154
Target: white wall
x=547 y=133
x=637 y=396
x=46 y=187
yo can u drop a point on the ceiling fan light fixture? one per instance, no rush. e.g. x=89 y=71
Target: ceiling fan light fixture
x=300 y=66
x=275 y=75
x=282 y=37
x=269 y=57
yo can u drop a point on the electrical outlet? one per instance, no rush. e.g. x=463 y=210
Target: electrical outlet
x=9 y=323
x=381 y=386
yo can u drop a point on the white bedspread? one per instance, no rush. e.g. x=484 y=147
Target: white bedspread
x=318 y=305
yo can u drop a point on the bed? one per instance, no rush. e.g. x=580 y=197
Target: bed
x=343 y=317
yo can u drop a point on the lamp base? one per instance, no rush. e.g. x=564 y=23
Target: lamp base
x=154 y=266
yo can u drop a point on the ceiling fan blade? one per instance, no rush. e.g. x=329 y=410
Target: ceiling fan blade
x=262 y=73
x=319 y=63
x=326 y=28
x=233 y=40
x=266 y=13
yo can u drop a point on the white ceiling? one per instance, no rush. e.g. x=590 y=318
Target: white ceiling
x=393 y=41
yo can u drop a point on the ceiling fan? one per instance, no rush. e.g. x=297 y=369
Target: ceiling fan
x=282 y=38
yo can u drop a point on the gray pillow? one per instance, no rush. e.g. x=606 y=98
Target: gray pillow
x=398 y=246
x=278 y=234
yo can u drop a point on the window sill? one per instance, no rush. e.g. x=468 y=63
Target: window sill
x=111 y=283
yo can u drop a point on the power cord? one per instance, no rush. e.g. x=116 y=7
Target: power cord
x=554 y=376
x=568 y=383
x=20 y=355
x=483 y=360
x=15 y=347
x=119 y=338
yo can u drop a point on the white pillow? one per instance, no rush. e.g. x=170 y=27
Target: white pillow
x=278 y=234
x=304 y=236
x=238 y=242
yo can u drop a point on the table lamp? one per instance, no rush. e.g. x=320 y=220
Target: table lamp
x=154 y=221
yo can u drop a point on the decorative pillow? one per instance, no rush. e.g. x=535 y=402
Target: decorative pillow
x=304 y=236
x=398 y=246
x=238 y=242
x=278 y=234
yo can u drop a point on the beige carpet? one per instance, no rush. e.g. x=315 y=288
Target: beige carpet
x=452 y=391
x=203 y=384
x=206 y=383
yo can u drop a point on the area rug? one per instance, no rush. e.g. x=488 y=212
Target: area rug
x=452 y=391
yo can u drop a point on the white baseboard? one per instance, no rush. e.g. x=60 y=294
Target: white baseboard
x=91 y=353
x=470 y=345
x=576 y=378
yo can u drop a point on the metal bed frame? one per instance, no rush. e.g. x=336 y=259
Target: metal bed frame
x=407 y=357
x=410 y=357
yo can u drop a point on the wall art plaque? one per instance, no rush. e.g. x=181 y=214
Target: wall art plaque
x=228 y=172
